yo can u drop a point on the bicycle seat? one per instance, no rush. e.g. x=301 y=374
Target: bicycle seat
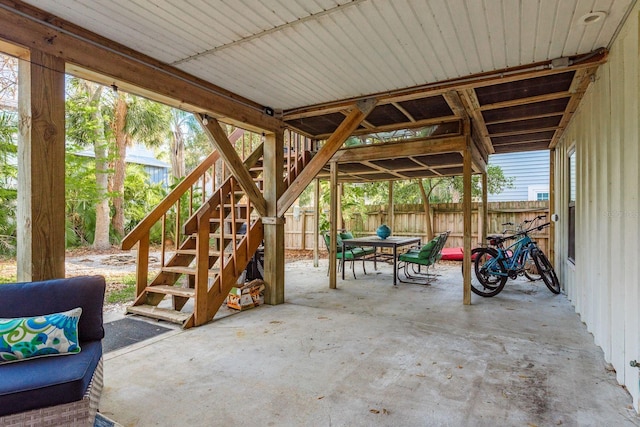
x=494 y=239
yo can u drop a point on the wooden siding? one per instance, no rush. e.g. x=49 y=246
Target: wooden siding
x=603 y=284
x=527 y=168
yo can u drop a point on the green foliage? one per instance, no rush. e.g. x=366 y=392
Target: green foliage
x=140 y=197
x=81 y=197
x=8 y=182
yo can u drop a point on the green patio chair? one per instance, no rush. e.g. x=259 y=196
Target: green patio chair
x=351 y=254
x=426 y=256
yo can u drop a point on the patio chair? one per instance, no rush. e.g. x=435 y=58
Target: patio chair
x=350 y=254
x=426 y=256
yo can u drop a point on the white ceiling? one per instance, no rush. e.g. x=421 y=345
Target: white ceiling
x=293 y=53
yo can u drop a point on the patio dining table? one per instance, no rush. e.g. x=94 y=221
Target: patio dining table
x=377 y=242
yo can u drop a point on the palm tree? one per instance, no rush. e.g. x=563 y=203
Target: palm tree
x=86 y=125
x=134 y=119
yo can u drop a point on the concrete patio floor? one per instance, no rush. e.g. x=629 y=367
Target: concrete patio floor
x=371 y=354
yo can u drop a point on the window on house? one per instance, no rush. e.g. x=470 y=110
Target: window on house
x=538 y=192
x=572 y=208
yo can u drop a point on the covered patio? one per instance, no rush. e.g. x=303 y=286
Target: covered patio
x=496 y=76
x=370 y=353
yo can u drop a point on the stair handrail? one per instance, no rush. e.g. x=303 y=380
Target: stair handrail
x=143 y=227
x=190 y=224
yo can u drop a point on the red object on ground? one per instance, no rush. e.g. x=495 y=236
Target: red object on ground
x=452 y=254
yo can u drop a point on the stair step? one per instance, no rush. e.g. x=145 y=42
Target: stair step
x=172 y=290
x=228 y=220
x=187 y=270
x=193 y=252
x=154 y=312
x=216 y=235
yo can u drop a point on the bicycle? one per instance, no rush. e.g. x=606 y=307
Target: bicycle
x=493 y=266
x=529 y=270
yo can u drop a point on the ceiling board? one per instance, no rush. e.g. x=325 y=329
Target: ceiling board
x=290 y=54
x=321 y=56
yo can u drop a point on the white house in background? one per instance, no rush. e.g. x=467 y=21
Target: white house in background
x=530 y=171
x=139 y=154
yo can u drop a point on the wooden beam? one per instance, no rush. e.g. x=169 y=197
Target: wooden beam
x=404 y=149
x=403 y=125
x=524 y=132
x=102 y=60
x=581 y=82
x=455 y=103
x=518 y=119
x=348 y=125
x=316 y=222
x=472 y=105
x=390 y=209
x=404 y=111
x=466 y=208
x=524 y=101
x=233 y=161
x=485 y=208
x=41 y=151
x=552 y=206
x=478 y=161
x=273 y=229
x=333 y=227
x=488 y=78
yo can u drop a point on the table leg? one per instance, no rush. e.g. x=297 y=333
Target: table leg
x=375 y=258
x=342 y=260
x=395 y=260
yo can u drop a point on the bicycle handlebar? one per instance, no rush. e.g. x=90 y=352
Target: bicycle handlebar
x=521 y=233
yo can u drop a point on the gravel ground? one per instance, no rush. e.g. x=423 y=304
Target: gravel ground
x=115 y=265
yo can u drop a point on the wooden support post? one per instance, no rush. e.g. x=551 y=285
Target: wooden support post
x=273 y=230
x=41 y=196
x=333 y=228
x=142 y=262
x=339 y=220
x=391 y=213
x=303 y=229
x=552 y=206
x=316 y=223
x=466 y=208
x=485 y=207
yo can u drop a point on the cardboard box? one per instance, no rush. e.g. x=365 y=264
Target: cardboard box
x=247 y=296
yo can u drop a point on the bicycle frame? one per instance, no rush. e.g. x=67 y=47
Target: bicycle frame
x=514 y=263
x=514 y=257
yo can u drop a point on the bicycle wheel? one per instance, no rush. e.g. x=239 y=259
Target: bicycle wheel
x=487 y=282
x=530 y=269
x=546 y=271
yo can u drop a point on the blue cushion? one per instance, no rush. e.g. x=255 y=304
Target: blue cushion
x=54 y=296
x=53 y=334
x=47 y=381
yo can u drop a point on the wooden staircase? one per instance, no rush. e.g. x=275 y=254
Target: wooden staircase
x=212 y=246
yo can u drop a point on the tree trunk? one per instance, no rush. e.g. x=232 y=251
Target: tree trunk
x=426 y=204
x=101 y=234
x=119 y=164
x=177 y=154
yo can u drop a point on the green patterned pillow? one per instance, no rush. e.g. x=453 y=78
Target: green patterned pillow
x=46 y=335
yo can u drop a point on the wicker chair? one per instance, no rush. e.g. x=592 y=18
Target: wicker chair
x=61 y=390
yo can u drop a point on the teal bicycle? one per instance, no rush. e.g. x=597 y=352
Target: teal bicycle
x=495 y=264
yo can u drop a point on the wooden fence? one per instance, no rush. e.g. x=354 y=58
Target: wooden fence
x=409 y=220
